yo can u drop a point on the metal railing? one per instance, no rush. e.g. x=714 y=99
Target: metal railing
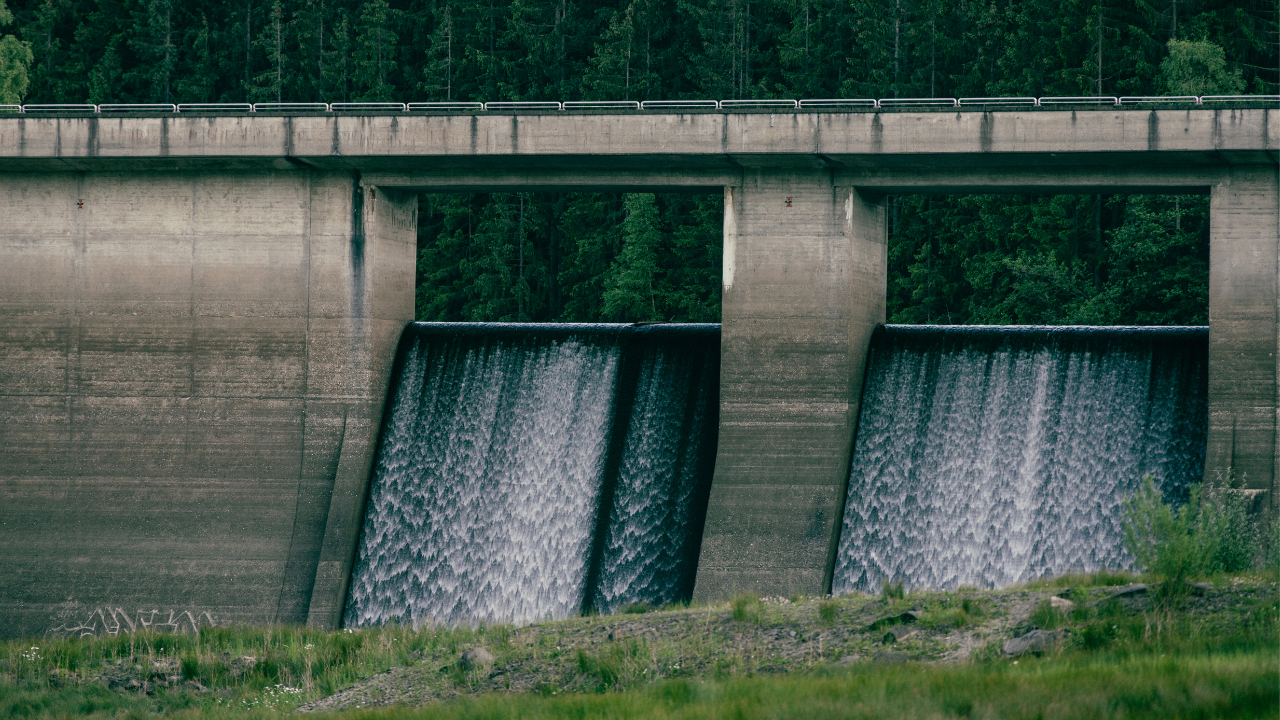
x=774 y=105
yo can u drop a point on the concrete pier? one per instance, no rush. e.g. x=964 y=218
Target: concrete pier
x=804 y=286
x=198 y=316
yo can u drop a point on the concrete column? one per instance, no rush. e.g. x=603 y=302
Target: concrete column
x=188 y=359
x=1244 y=313
x=804 y=285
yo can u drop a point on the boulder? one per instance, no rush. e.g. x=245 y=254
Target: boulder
x=1061 y=603
x=1128 y=591
x=476 y=659
x=1035 y=642
x=898 y=632
x=890 y=657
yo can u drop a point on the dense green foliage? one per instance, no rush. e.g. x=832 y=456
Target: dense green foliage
x=579 y=256
x=1212 y=532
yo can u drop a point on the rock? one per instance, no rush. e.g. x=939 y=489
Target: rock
x=1128 y=591
x=476 y=659
x=792 y=633
x=905 y=618
x=849 y=659
x=1199 y=588
x=890 y=657
x=193 y=686
x=899 y=632
x=1061 y=604
x=132 y=684
x=1034 y=642
x=148 y=688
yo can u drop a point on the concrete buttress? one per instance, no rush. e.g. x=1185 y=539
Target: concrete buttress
x=194 y=367
x=804 y=285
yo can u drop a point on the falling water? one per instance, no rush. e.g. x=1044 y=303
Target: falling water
x=523 y=469
x=991 y=456
x=654 y=531
x=484 y=491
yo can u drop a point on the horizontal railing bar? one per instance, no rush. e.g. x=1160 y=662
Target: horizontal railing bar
x=460 y=106
x=524 y=105
x=1240 y=99
x=1153 y=100
x=294 y=107
x=357 y=106
x=1001 y=102
x=137 y=107
x=917 y=102
x=677 y=104
x=11 y=108
x=215 y=107
x=589 y=104
x=793 y=104
x=837 y=102
x=60 y=108
x=1079 y=100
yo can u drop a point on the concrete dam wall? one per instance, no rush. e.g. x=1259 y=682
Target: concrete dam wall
x=200 y=314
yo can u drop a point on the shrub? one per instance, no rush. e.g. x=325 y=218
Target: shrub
x=1210 y=533
x=894 y=591
x=747 y=608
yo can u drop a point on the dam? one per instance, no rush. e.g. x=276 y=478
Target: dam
x=201 y=314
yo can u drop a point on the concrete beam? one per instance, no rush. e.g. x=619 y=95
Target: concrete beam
x=408 y=143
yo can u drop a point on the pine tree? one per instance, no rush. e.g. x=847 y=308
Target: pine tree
x=374 y=52
x=630 y=294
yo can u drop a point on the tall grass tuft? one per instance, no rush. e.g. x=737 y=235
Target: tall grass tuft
x=747 y=608
x=894 y=591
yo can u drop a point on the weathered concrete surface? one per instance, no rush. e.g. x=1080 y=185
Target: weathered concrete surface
x=193 y=365
x=187 y=363
x=1244 y=326
x=665 y=142
x=804 y=285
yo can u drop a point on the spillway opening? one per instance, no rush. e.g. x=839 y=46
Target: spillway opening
x=988 y=456
x=570 y=256
x=530 y=471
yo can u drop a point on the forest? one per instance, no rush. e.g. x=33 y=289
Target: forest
x=1101 y=259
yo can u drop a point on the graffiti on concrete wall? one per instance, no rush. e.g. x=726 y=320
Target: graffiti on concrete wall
x=113 y=621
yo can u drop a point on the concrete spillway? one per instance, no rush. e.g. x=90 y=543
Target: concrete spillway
x=525 y=471
x=991 y=456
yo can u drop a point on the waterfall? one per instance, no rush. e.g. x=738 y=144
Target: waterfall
x=525 y=469
x=652 y=537
x=988 y=456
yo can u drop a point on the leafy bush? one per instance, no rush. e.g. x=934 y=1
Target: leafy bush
x=1212 y=532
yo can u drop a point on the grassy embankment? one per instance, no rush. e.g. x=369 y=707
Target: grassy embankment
x=1212 y=656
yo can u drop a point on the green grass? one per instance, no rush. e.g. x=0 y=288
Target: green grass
x=1238 y=685
x=1117 y=661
